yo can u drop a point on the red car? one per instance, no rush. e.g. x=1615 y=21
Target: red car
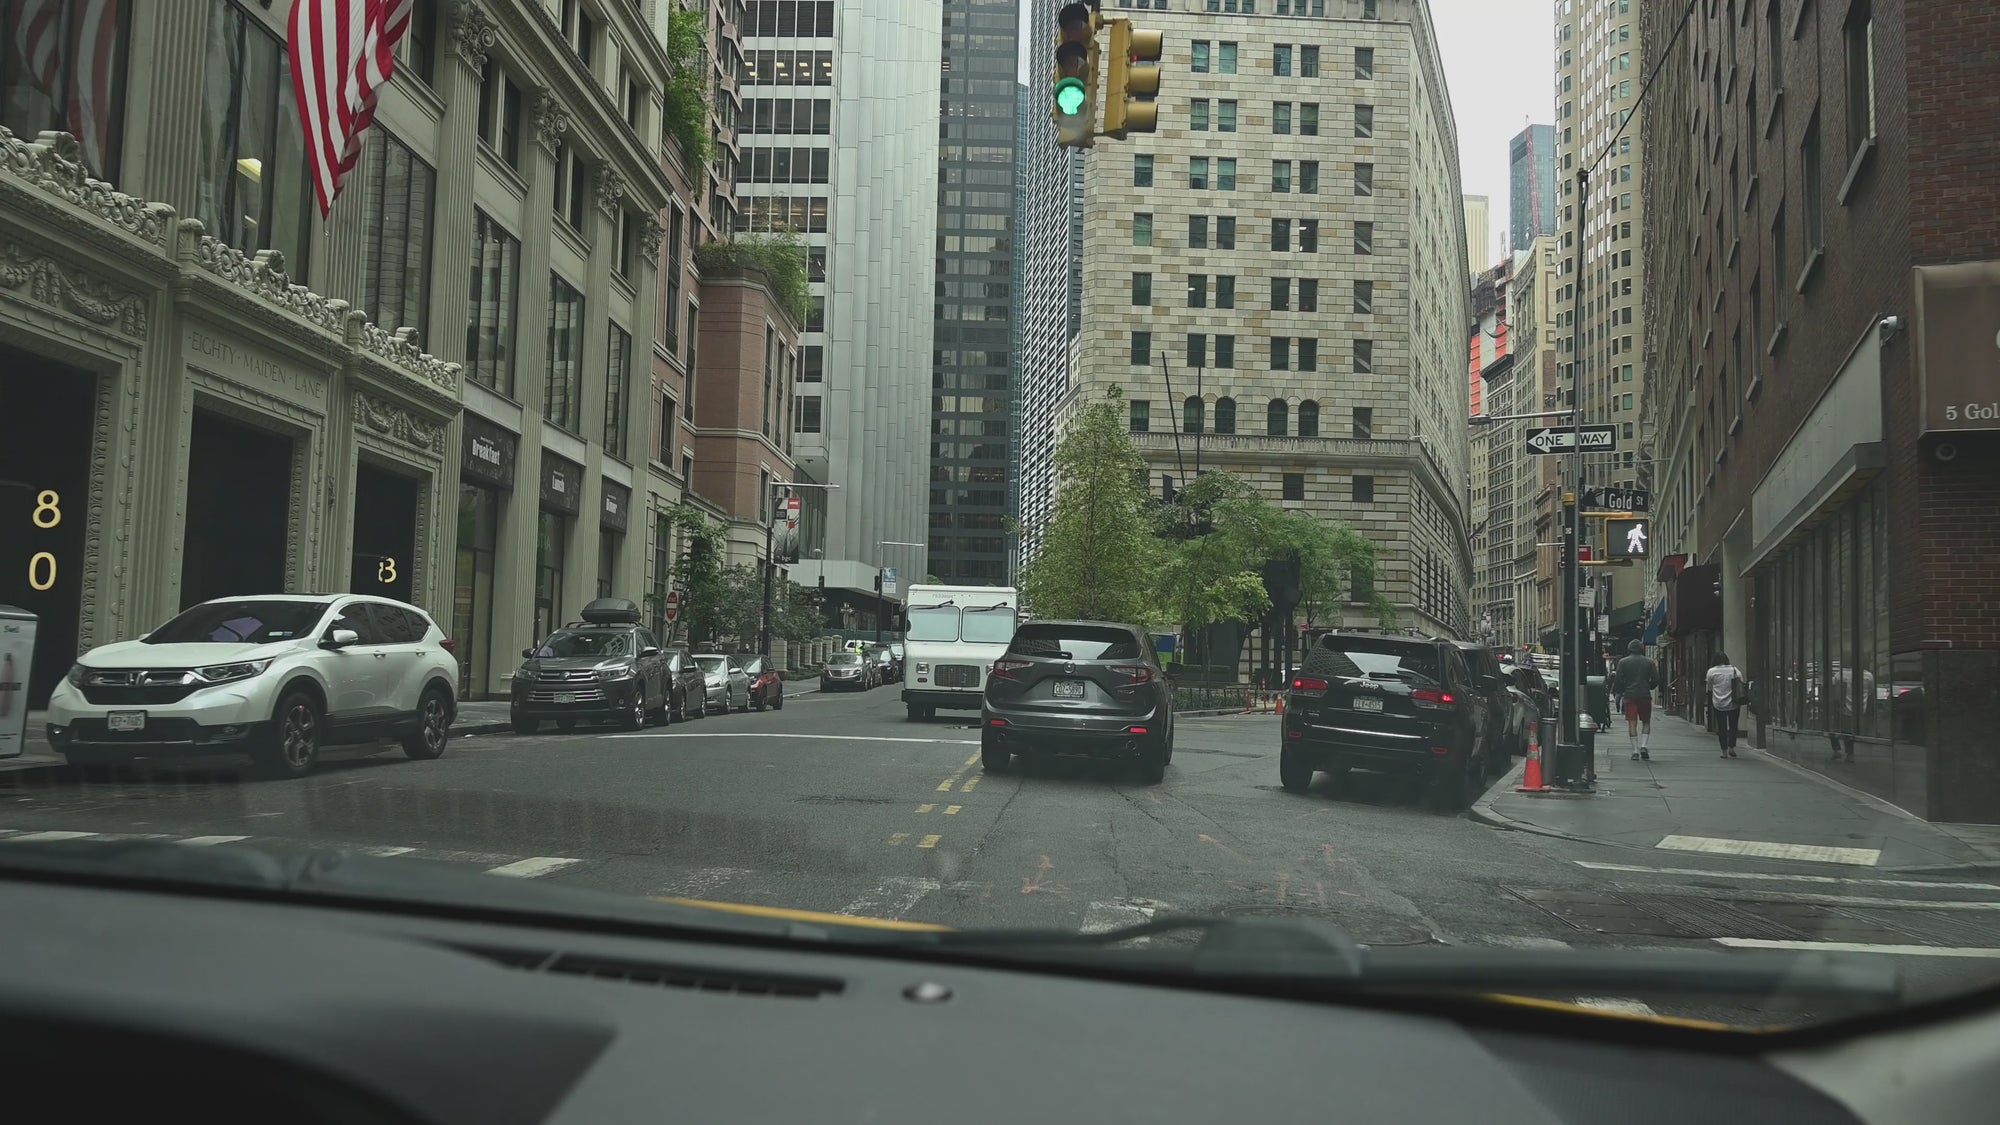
x=767 y=688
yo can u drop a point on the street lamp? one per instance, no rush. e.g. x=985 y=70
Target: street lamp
x=881 y=607
x=770 y=560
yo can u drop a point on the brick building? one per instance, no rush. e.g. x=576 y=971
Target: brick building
x=1826 y=195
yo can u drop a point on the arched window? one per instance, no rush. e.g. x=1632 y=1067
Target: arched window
x=1309 y=418
x=1225 y=416
x=1277 y=418
x=1191 y=415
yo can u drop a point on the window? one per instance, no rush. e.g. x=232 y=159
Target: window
x=1281 y=59
x=1142 y=169
x=500 y=113
x=1225 y=173
x=1309 y=119
x=1859 y=34
x=1281 y=118
x=1142 y=229
x=1364 y=179
x=1810 y=179
x=1198 y=232
x=1142 y=415
x=617 y=384
x=1364 y=238
x=1225 y=351
x=252 y=190
x=1308 y=294
x=1364 y=357
x=1225 y=232
x=1197 y=291
x=669 y=414
x=1308 y=361
x=1142 y=288
x=1197 y=349
x=629 y=226
x=1364 y=120
x=1225 y=415
x=1294 y=485
x=1225 y=291
x=1363 y=490
x=1192 y=415
x=1198 y=56
x=812 y=363
x=56 y=91
x=1364 y=296
x=489 y=329
x=808 y=414
x=1198 y=115
x=670 y=313
x=1225 y=58
x=1281 y=353
x=562 y=397
x=1308 y=236
x=1309 y=62
x=1308 y=413
x=1308 y=177
x=1281 y=176
x=1364 y=63
x=1364 y=422
x=1276 y=420
x=1142 y=349
x=1225 y=115
x=572 y=196
x=1198 y=172
x=1281 y=234
x=1781 y=264
x=1281 y=294
x=1774 y=41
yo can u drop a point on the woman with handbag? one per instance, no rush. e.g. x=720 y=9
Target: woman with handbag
x=1727 y=693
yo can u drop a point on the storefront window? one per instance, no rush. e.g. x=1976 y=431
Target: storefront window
x=472 y=604
x=551 y=549
x=252 y=191
x=68 y=75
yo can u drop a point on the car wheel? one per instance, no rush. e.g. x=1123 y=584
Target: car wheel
x=1294 y=772
x=294 y=744
x=433 y=727
x=526 y=726
x=634 y=717
x=1153 y=767
x=993 y=757
x=778 y=700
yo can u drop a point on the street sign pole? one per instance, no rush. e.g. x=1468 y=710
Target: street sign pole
x=1570 y=745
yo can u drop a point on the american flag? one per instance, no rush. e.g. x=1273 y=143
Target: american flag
x=342 y=52
x=68 y=52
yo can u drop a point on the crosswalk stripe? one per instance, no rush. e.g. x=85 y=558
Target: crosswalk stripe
x=1524 y=941
x=1770 y=876
x=385 y=852
x=48 y=837
x=1770 y=849
x=209 y=841
x=1117 y=914
x=1621 y=1004
x=1859 y=947
x=892 y=898
x=532 y=867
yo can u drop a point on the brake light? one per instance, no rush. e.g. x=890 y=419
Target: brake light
x=1308 y=685
x=449 y=646
x=1007 y=668
x=1433 y=698
x=996 y=722
x=1134 y=673
x=1135 y=730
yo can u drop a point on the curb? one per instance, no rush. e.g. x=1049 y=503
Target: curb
x=1483 y=811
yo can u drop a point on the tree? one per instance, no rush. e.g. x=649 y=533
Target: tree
x=689 y=74
x=1100 y=556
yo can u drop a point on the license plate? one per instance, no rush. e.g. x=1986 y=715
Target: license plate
x=125 y=720
x=1367 y=703
x=568 y=698
x=1069 y=689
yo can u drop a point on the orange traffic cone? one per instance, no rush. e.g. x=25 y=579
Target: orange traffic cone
x=1281 y=705
x=1531 y=777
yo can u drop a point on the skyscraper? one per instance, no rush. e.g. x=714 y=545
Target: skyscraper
x=1478 y=235
x=972 y=362
x=1531 y=185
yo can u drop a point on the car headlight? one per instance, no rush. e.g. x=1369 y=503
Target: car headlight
x=76 y=674
x=229 y=673
x=623 y=673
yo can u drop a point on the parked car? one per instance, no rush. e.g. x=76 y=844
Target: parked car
x=767 y=687
x=606 y=667
x=274 y=678
x=1390 y=702
x=1492 y=686
x=847 y=670
x=887 y=671
x=727 y=685
x=1092 y=688
x=687 y=684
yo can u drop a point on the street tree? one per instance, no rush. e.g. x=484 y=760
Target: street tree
x=1100 y=557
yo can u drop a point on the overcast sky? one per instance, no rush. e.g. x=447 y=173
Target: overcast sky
x=1499 y=61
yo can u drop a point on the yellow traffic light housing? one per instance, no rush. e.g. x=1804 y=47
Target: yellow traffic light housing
x=1133 y=81
x=1073 y=100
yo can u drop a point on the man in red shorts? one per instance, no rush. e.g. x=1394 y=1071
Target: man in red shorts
x=1636 y=677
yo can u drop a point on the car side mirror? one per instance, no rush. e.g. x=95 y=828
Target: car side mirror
x=528 y=653
x=649 y=650
x=340 y=638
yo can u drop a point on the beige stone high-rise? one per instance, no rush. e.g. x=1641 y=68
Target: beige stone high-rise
x=1275 y=279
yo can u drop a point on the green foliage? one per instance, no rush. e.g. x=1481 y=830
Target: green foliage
x=1100 y=558
x=688 y=83
x=780 y=257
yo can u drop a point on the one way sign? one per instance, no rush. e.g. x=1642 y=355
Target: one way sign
x=1550 y=439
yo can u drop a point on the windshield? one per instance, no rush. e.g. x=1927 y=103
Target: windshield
x=933 y=623
x=1213 y=414
x=989 y=624
x=586 y=643
x=252 y=622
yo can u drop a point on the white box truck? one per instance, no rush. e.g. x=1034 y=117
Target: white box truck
x=952 y=636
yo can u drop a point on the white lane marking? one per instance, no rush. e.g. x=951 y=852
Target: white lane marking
x=385 y=851
x=1524 y=941
x=699 y=883
x=1859 y=947
x=209 y=841
x=46 y=837
x=1767 y=876
x=891 y=898
x=1769 y=849
x=1624 y=1005
x=824 y=737
x=532 y=867
x=1116 y=914
x=1810 y=898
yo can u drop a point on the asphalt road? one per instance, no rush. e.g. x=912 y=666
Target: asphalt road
x=839 y=804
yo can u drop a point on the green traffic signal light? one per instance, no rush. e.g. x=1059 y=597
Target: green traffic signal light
x=1070 y=96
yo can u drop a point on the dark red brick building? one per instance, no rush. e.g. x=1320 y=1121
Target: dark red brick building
x=1823 y=226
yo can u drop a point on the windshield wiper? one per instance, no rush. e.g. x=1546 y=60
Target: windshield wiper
x=1306 y=948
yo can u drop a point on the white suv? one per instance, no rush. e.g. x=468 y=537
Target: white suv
x=273 y=677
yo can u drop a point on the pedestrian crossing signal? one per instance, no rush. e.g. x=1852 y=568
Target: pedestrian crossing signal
x=1629 y=538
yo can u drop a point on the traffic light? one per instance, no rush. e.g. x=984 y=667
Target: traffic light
x=1129 y=105
x=1074 y=103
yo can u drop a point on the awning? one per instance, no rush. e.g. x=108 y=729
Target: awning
x=1655 y=623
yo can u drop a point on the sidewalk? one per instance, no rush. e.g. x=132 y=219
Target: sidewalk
x=1689 y=803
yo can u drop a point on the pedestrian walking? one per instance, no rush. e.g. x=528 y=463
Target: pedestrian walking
x=1727 y=694
x=1636 y=676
